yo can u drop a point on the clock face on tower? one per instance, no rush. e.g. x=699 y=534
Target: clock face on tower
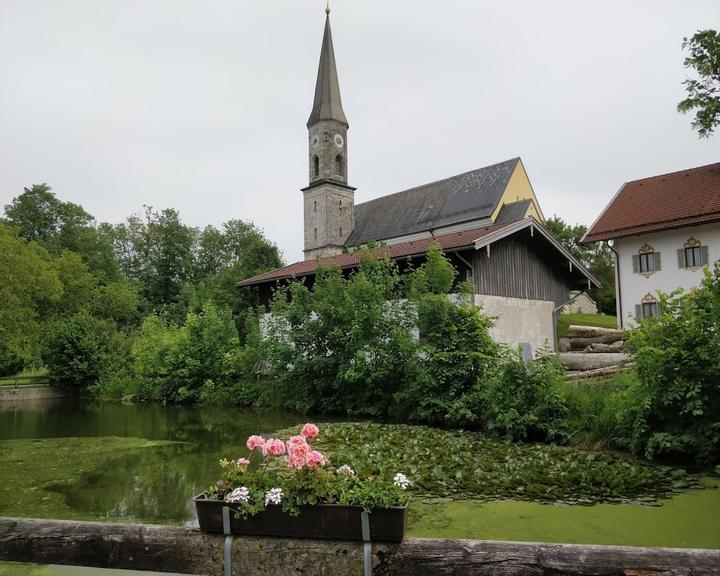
x=314 y=141
x=339 y=141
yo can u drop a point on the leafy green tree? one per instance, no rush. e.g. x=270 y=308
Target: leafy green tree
x=675 y=406
x=78 y=350
x=157 y=251
x=29 y=292
x=35 y=214
x=454 y=340
x=38 y=215
x=597 y=257
x=346 y=344
x=703 y=92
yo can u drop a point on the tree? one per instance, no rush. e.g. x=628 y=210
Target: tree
x=596 y=257
x=29 y=291
x=39 y=216
x=703 y=92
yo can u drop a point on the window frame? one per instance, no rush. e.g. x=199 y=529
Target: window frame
x=647 y=258
x=693 y=256
x=649 y=309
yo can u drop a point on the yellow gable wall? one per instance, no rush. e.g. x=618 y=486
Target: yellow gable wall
x=519 y=188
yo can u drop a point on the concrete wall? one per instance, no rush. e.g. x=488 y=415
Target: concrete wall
x=13 y=394
x=519 y=320
x=634 y=286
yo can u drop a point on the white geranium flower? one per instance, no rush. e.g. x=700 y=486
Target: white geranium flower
x=241 y=494
x=273 y=496
x=401 y=480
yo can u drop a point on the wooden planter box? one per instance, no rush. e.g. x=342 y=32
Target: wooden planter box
x=326 y=521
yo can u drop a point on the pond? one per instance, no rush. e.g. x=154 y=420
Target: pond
x=142 y=463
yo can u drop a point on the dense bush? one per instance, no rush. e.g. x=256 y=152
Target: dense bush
x=525 y=402
x=178 y=363
x=674 y=408
x=78 y=350
x=346 y=345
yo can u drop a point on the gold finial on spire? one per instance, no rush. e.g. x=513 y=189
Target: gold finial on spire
x=327 y=8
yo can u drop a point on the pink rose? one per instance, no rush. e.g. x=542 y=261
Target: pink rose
x=255 y=443
x=274 y=447
x=315 y=459
x=310 y=430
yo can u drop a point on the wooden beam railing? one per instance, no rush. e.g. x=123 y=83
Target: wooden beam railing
x=189 y=551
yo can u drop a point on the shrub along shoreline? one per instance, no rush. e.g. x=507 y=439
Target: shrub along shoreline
x=349 y=346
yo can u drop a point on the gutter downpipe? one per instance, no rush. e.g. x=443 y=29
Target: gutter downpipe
x=618 y=295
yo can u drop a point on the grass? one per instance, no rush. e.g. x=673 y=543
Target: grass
x=601 y=320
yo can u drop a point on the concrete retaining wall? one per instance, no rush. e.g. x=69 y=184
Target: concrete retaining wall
x=14 y=394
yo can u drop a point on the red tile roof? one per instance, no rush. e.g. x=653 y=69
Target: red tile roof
x=684 y=198
x=352 y=259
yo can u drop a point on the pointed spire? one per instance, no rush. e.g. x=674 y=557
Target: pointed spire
x=327 y=104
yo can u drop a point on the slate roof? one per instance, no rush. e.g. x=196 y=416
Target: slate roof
x=513 y=211
x=327 y=104
x=473 y=195
x=684 y=198
x=466 y=238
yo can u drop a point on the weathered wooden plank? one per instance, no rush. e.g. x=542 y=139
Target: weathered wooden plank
x=187 y=550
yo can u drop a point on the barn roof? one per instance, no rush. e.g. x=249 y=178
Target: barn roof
x=475 y=239
x=684 y=198
x=466 y=238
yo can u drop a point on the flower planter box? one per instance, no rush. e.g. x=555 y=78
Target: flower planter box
x=326 y=521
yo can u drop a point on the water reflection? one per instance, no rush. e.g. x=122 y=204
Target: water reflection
x=148 y=484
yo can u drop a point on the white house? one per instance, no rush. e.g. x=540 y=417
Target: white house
x=664 y=231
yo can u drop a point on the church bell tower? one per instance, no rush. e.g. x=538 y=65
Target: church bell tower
x=329 y=203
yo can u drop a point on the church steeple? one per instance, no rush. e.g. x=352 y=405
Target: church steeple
x=329 y=202
x=327 y=104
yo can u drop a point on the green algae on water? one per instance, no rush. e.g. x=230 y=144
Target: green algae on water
x=35 y=472
x=687 y=520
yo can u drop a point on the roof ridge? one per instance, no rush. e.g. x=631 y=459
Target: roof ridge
x=435 y=182
x=673 y=172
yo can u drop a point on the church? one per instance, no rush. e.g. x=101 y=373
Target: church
x=488 y=222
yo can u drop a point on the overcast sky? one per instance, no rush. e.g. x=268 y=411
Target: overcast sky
x=202 y=105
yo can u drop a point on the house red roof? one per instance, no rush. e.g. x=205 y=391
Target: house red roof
x=684 y=198
x=352 y=259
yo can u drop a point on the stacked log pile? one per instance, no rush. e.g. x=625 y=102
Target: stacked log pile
x=591 y=350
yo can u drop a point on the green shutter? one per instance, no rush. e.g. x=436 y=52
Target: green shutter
x=638 y=311
x=656 y=258
x=704 y=256
x=681 y=258
x=636 y=263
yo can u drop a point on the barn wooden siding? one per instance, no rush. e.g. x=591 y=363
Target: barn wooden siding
x=515 y=269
